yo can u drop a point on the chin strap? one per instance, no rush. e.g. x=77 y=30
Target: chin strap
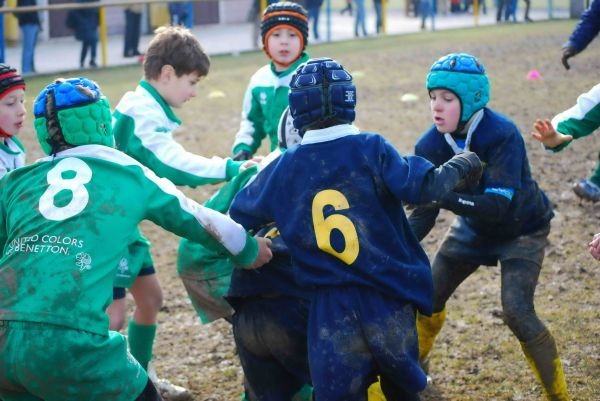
x=472 y=127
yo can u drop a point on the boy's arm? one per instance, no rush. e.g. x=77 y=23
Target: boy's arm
x=251 y=207
x=166 y=206
x=586 y=30
x=147 y=142
x=251 y=132
x=580 y=120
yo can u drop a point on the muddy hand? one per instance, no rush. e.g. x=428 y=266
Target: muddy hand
x=264 y=253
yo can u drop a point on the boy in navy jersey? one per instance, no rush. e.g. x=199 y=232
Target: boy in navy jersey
x=341 y=217
x=505 y=217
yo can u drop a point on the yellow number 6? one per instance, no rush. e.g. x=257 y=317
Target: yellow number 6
x=324 y=225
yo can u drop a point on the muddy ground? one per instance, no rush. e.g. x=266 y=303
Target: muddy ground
x=476 y=357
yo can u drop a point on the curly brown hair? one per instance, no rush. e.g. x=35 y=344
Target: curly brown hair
x=178 y=47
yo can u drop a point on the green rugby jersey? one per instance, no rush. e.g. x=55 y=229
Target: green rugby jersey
x=580 y=120
x=143 y=125
x=67 y=220
x=265 y=100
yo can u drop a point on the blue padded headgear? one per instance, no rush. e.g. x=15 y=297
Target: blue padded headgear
x=465 y=76
x=321 y=91
x=70 y=113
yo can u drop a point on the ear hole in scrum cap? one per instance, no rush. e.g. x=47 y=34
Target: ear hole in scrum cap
x=55 y=138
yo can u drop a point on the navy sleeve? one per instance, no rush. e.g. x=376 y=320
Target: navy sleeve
x=403 y=176
x=587 y=28
x=251 y=207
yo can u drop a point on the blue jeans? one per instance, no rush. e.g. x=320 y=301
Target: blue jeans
x=378 y=22
x=313 y=14
x=29 y=40
x=359 y=20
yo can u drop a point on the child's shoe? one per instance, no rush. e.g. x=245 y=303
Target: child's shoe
x=168 y=390
x=587 y=190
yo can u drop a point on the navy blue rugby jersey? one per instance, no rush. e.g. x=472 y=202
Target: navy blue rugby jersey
x=337 y=201
x=500 y=146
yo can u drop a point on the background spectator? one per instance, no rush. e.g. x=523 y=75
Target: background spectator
x=314 y=9
x=85 y=24
x=378 y=17
x=359 y=19
x=182 y=13
x=348 y=8
x=133 y=19
x=29 y=23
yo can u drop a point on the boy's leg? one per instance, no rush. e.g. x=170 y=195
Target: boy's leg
x=117 y=310
x=448 y=273
x=148 y=298
x=150 y=393
x=519 y=279
x=270 y=335
x=99 y=367
x=390 y=331
x=341 y=364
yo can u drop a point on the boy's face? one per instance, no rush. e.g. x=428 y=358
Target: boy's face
x=12 y=111
x=445 y=110
x=178 y=90
x=284 y=47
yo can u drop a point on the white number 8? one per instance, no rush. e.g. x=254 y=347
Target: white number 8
x=80 y=198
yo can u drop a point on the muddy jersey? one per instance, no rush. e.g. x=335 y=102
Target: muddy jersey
x=143 y=125
x=66 y=222
x=500 y=146
x=12 y=155
x=340 y=213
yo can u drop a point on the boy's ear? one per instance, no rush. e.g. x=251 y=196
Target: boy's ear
x=167 y=72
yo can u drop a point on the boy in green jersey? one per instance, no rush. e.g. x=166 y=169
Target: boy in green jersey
x=284 y=34
x=57 y=268
x=143 y=125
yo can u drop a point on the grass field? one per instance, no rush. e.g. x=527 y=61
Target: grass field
x=476 y=357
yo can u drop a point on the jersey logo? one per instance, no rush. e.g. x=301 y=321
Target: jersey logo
x=83 y=261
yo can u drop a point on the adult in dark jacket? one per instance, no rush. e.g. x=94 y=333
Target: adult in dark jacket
x=585 y=31
x=84 y=22
x=30 y=26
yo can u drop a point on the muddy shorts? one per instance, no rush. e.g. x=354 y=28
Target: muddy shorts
x=207 y=295
x=462 y=243
x=355 y=334
x=53 y=363
x=137 y=262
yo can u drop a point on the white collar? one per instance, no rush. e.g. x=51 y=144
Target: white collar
x=329 y=134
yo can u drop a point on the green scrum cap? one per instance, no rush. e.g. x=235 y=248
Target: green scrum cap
x=70 y=113
x=463 y=75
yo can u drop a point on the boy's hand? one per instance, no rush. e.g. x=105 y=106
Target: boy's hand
x=264 y=253
x=242 y=155
x=595 y=246
x=547 y=135
x=568 y=52
x=469 y=161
